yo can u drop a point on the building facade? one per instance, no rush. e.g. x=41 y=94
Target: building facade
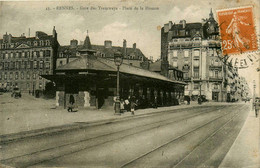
x=132 y=56
x=24 y=59
x=195 y=49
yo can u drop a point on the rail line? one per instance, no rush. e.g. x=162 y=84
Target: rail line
x=179 y=137
x=77 y=144
x=5 y=139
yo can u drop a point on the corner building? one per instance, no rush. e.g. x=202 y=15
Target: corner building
x=195 y=49
x=24 y=59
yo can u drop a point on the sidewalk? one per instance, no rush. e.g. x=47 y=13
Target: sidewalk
x=29 y=113
x=244 y=153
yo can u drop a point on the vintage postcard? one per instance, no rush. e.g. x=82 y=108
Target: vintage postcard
x=130 y=83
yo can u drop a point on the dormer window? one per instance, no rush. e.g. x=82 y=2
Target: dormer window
x=41 y=43
x=47 y=42
x=28 y=42
x=35 y=43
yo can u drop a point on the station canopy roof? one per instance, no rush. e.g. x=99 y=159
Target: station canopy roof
x=92 y=63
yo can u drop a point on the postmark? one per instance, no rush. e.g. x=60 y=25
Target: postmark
x=238 y=35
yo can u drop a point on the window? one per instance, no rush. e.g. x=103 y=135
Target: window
x=0 y=76
x=35 y=43
x=17 y=55
x=12 y=55
x=22 y=75
x=41 y=64
x=22 y=65
x=1 y=66
x=196 y=73
x=41 y=53
x=216 y=74
x=47 y=65
x=28 y=75
x=186 y=53
x=175 y=53
x=34 y=54
x=215 y=86
x=47 y=53
x=196 y=53
x=16 y=75
x=11 y=75
x=6 y=65
x=5 y=76
x=34 y=76
x=186 y=75
x=40 y=73
x=196 y=63
x=35 y=65
x=196 y=86
x=47 y=42
x=28 y=65
x=23 y=54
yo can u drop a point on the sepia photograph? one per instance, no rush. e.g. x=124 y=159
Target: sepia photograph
x=130 y=84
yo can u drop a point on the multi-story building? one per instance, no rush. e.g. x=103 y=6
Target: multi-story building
x=132 y=56
x=23 y=59
x=195 y=49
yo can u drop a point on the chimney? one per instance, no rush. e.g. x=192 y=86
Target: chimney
x=166 y=28
x=170 y=25
x=183 y=22
x=73 y=43
x=134 y=46
x=124 y=48
x=108 y=44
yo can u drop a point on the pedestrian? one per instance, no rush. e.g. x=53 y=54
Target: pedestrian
x=71 y=103
x=127 y=104
x=122 y=106
x=188 y=99
x=132 y=105
x=155 y=102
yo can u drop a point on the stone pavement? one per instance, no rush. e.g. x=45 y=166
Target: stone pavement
x=29 y=113
x=244 y=152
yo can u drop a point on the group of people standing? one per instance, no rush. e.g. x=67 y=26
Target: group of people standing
x=129 y=104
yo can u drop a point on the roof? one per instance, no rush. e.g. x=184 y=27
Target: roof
x=188 y=26
x=156 y=66
x=91 y=62
x=109 y=52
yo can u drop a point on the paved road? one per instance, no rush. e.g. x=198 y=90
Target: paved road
x=194 y=137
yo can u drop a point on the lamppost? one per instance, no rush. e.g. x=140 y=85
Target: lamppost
x=200 y=86
x=118 y=59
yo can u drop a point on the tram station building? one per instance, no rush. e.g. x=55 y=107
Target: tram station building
x=92 y=82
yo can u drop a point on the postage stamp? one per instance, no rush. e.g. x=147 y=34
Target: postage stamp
x=237 y=30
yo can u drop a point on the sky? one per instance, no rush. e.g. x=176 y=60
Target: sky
x=136 y=26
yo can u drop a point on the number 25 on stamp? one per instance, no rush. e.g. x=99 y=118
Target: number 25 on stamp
x=237 y=30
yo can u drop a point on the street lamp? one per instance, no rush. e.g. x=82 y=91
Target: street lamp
x=118 y=59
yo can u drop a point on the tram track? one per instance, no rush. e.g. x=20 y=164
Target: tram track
x=77 y=146
x=134 y=162
x=10 y=138
x=87 y=135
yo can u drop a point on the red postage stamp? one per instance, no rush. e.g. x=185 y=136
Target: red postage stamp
x=237 y=30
